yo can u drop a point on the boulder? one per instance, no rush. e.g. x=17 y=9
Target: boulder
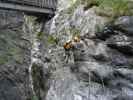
x=121 y=43
x=125 y=23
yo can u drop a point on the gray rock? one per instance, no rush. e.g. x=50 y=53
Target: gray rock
x=107 y=32
x=100 y=70
x=125 y=23
x=93 y=70
x=122 y=43
x=14 y=57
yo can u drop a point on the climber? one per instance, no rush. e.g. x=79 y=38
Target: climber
x=76 y=39
x=69 y=47
x=70 y=44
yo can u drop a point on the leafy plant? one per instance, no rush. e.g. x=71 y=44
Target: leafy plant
x=34 y=98
x=52 y=40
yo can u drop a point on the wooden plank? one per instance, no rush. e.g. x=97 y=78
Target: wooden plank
x=26 y=8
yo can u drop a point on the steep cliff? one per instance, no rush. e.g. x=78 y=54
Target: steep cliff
x=84 y=52
x=99 y=67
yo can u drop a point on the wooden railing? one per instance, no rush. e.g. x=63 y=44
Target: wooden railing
x=38 y=3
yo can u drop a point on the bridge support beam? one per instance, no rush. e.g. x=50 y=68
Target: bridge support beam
x=25 y=8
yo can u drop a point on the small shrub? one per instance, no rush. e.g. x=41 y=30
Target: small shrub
x=39 y=35
x=52 y=40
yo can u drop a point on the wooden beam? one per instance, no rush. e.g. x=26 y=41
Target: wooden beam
x=25 y=8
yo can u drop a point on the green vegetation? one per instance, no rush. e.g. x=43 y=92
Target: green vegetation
x=52 y=40
x=75 y=32
x=34 y=98
x=111 y=8
x=37 y=77
x=73 y=6
x=10 y=51
x=106 y=8
x=3 y=59
x=13 y=53
x=16 y=53
x=40 y=35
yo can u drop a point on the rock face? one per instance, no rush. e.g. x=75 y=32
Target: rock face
x=101 y=63
x=14 y=57
x=125 y=24
x=34 y=65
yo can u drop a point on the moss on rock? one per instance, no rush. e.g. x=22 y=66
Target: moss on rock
x=111 y=8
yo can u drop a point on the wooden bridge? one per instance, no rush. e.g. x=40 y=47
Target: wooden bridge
x=31 y=6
